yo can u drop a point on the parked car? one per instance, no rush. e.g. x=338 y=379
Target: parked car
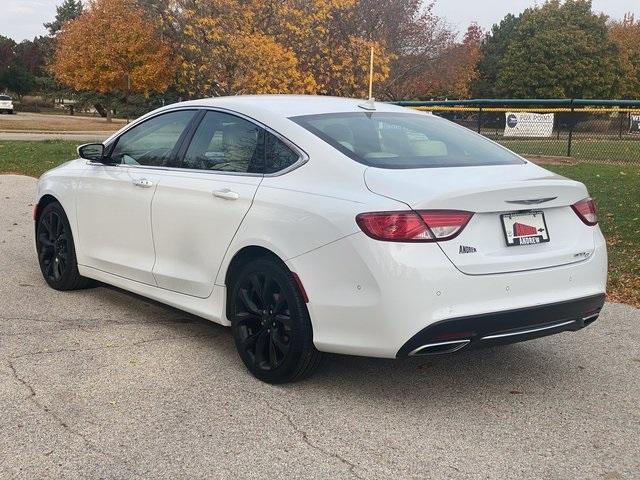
x=319 y=224
x=6 y=105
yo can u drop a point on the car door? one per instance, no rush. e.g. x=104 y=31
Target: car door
x=114 y=200
x=198 y=208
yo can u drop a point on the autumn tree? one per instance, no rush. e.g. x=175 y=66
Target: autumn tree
x=626 y=35
x=112 y=48
x=330 y=49
x=287 y=46
x=414 y=38
x=452 y=77
x=464 y=60
x=223 y=52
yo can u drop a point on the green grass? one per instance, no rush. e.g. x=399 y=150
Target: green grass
x=616 y=189
x=35 y=158
x=611 y=150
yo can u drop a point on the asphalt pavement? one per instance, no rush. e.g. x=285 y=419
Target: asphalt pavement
x=101 y=383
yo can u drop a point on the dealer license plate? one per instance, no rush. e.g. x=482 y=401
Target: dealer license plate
x=526 y=228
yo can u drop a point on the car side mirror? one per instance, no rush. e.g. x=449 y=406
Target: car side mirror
x=94 y=152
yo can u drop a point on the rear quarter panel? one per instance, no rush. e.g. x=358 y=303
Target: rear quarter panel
x=309 y=207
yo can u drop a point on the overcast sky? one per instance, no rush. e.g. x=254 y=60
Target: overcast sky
x=460 y=13
x=23 y=19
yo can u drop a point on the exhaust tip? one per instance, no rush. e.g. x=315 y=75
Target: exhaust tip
x=440 y=347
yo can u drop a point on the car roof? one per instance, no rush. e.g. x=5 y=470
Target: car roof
x=290 y=105
x=271 y=110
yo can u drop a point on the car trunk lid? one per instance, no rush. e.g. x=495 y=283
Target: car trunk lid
x=495 y=194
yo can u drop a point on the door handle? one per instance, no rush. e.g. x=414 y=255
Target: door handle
x=226 y=194
x=143 y=183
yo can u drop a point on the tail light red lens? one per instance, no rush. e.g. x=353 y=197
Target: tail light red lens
x=587 y=211
x=414 y=226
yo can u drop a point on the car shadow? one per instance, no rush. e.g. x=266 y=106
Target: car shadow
x=522 y=368
x=476 y=379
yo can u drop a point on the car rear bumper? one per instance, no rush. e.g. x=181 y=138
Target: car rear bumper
x=372 y=298
x=501 y=328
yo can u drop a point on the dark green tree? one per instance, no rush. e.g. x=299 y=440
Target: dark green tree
x=492 y=50
x=18 y=80
x=559 y=49
x=7 y=57
x=32 y=55
x=69 y=10
x=7 y=52
x=46 y=84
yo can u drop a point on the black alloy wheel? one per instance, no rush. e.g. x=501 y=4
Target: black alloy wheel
x=264 y=320
x=53 y=246
x=56 y=250
x=271 y=324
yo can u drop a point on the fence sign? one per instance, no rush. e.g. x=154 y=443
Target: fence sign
x=634 y=123
x=526 y=124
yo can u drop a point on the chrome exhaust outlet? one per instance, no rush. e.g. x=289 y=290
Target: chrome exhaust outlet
x=440 y=347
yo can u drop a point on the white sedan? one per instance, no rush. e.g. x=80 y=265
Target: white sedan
x=319 y=224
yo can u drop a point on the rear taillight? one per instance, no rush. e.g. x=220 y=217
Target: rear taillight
x=586 y=211
x=414 y=226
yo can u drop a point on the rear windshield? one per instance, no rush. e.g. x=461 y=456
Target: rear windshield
x=5 y=97
x=405 y=140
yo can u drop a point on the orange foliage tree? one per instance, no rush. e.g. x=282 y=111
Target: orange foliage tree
x=626 y=35
x=286 y=46
x=328 y=43
x=458 y=70
x=412 y=34
x=113 y=48
x=223 y=53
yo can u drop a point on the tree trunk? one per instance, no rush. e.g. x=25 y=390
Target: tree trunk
x=108 y=108
x=100 y=109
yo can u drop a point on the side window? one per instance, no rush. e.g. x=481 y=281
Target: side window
x=152 y=142
x=278 y=155
x=226 y=143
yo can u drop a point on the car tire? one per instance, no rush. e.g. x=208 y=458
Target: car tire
x=270 y=322
x=56 y=250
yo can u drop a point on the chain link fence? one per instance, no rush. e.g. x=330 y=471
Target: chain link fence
x=606 y=131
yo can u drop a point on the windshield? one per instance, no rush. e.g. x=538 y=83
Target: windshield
x=5 y=97
x=405 y=140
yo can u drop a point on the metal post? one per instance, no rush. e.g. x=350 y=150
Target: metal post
x=571 y=123
x=126 y=97
x=621 y=115
x=479 y=119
